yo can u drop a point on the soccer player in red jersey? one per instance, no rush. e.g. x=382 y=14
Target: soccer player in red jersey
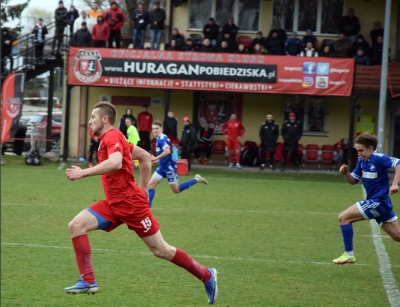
x=233 y=130
x=126 y=203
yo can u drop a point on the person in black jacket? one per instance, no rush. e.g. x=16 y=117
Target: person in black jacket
x=292 y=132
x=122 y=126
x=60 y=16
x=350 y=26
x=211 y=31
x=207 y=46
x=269 y=134
x=179 y=39
x=72 y=15
x=39 y=32
x=205 y=138
x=140 y=19
x=188 y=140
x=230 y=28
x=82 y=37
x=189 y=45
x=170 y=126
x=6 y=48
x=259 y=40
x=157 y=20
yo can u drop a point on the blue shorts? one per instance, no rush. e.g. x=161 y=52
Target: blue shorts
x=380 y=210
x=169 y=171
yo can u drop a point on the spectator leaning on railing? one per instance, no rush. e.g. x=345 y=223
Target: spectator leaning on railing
x=39 y=32
x=6 y=48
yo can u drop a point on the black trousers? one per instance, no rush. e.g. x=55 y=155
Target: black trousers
x=94 y=146
x=294 y=157
x=99 y=44
x=185 y=154
x=58 y=37
x=206 y=149
x=3 y=61
x=145 y=140
x=39 y=49
x=264 y=151
x=115 y=35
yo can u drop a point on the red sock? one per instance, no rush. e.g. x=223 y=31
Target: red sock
x=238 y=158
x=83 y=255
x=189 y=264
x=230 y=158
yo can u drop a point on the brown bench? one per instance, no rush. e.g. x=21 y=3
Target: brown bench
x=368 y=77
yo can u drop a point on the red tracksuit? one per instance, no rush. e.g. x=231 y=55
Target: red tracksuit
x=233 y=130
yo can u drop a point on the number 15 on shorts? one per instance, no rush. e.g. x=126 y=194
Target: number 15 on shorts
x=146 y=224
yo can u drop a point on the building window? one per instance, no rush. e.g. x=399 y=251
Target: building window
x=321 y=16
x=246 y=13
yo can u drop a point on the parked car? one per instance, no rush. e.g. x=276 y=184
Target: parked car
x=37 y=129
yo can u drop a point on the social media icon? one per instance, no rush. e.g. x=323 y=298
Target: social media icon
x=308 y=81
x=309 y=68
x=323 y=68
x=322 y=82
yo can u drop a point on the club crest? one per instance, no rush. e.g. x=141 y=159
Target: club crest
x=13 y=107
x=87 y=66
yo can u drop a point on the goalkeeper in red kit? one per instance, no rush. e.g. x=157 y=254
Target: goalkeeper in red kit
x=126 y=202
x=233 y=131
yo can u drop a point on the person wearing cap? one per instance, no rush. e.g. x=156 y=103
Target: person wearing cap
x=115 y=19
x=262 y=41
x=292 y=131
x=211 y=31
x=6 y=48
x=350 y=26
x=83 y=18
x=205 y=139
x=145 y=120
x=269 y=134
x=61 y=21
x=82 y=37
x=140 y=19
x=309 y=38
x=95 y=11
x=188 y=140
x=341 y=46
x=293 y=45
x=39 y=32
x=100 y=33
x=157 y=20
x=233 y=130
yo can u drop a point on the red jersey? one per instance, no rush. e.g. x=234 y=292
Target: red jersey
x=233 y=129
x=145 y=120
x=120 y=184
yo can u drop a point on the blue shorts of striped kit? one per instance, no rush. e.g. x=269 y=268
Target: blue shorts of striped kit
x=377 y=209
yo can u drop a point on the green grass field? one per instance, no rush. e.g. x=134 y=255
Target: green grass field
x=272 y=237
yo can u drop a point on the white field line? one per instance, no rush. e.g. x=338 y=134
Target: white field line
x=61 y=166
x=389 y=282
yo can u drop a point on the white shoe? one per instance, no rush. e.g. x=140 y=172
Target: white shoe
x=200 y=179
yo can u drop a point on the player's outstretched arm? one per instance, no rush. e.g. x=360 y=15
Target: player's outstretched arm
x=344 y=169
x=144 y=166
x=396 y=180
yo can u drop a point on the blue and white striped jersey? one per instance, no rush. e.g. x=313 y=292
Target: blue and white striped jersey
x=374 y=174
x=163 y=142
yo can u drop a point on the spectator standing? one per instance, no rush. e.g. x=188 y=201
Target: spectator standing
x=377 y=51
x=361 y=59
x=132 y=134
x=204 y=138
x=281 y=32
x=377 y=31
x=145 y=120
x=189 y=45
x=100 y=33
x=233 y=130
x=179 y=39
x=292 y=132
x=269 y=134
x=309 y=38
x=95 y=11
x=207 y=47
x=211 y=31
x=83 y=18
x=39 y=32
x=61 y=22
x=241 y=49
x=259 y=40
x=309 y=51
x=327 y=52
x=188 y=140
x=275 y=44
x=6 y=48
x=293 y=45
x=157 y=20
x=115 y=19
x=72 y=16
x=141 y=19
x=82 y=37
x=94 y=146
x=360 y=43
x=231 y=29
x=170 y=126
x=122 y=125
x=342 y=46
x=350 y=26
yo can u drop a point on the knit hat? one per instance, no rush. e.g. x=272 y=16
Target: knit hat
x=186 y=119
x=292 y=114
x=309 y=31
x=294 y=33
x=60 y=2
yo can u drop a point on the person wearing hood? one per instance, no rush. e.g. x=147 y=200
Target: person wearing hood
x=341 y=46
x=61 y=22
x=82 y=37
x=115 y=19
x=39 y=32
x=84 y=18
x=6 y=48
x=188 y=140
x=269 y=134
x=122 y=125
x=361 y=58
x=309 y=37
x=72 y=16
x=140 y=19
x=360 y=43
x=100 y=33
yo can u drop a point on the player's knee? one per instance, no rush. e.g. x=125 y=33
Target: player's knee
x=396 y=237
x=158 y=252
x=75 y=227
x=342 y=219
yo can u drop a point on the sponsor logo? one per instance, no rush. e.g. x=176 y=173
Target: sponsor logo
x=322 y=82
x=322 y=68
x=13 y=107
x=309 y=68
x=372 y=168
x=87 y=66
x=308 y=81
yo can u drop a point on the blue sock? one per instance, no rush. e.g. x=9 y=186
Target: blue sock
x=152 y=192
x=187 y=184
x=347 y=235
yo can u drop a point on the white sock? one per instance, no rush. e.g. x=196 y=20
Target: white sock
x=349 y=253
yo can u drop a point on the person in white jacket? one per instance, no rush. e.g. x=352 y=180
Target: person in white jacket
x=84 y=17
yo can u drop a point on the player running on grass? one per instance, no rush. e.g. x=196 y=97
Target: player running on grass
x=372 y=167
x=167 y=166
x=233 y=130
x=126 y=203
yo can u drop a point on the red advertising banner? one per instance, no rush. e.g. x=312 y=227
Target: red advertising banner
x=210 y=71
x=11 y=105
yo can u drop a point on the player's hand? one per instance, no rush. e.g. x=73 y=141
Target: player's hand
x=344 y=169
x=74 y=172
x=394 y=189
